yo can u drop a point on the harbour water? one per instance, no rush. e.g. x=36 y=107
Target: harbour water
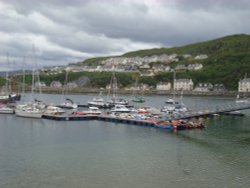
x=43 y=153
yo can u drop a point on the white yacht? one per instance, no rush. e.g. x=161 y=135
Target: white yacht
x=54 y=110
x=6 y=110
x=242 y=100
x=120 y=109
x=29 y=110
x=68 y=104
x=90 y=111
x=98 y=102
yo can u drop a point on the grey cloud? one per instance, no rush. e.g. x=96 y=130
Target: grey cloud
x=73 y=30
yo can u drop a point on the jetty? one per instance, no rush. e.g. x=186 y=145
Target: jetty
x=222 y=110
x=147 y=122
x=179 y=120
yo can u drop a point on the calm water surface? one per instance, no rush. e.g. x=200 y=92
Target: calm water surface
x=42 y=153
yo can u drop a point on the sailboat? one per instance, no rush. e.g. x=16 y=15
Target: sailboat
x=7 y=95
x=241 y=100
x=68 y=103
x=173 y=106
x=113 y=88
x=137 y=98
x=34 y=108
x=98 y=102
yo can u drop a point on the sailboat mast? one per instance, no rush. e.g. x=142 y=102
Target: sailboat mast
x=64 y=85
x=23 y=85
x=7 y=85
x=114 y=85
x=174 y=80
x=7 y=82
x=32 y=85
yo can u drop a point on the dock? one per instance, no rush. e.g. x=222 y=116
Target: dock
x=128 y=121
x=223 y=110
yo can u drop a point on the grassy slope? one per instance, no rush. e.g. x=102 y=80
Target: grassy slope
x=229 y=59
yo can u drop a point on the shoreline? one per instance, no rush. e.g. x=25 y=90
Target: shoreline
x=146 y=93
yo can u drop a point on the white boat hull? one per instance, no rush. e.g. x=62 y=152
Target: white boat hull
x=6 y=111
x=29 y=114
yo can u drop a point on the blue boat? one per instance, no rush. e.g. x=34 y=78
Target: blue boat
x=164 y=125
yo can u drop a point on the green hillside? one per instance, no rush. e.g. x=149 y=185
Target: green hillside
x=233 y=43
x=228 y=60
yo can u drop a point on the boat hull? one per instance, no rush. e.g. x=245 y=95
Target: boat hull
x=28 y=114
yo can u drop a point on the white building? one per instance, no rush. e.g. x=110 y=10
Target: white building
x=244 y=85
x=201 y=56
x=194 y=66
x=55 y=84
x=163 y=86
x=71 y=85
x=204 y=87
x=183 y=84
x=40 y=84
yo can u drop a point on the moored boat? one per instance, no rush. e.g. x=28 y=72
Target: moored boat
x=91 y=111
x=29 y=111
x=6 y=110
x=98 y=102
x=10 y=98
x=138 y=99
x=164 y=125
x=120 y=109
x=68 y=104
x=54 y=110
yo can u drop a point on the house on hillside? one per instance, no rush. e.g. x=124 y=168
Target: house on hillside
x=204 y=87
x=55 y=84
x=158 y=68
x=219 y=87
x=244 y=85
x=201 y=56
x=180 y=67
x=163 y=86
x=40 y=84
x=183 y=84
x=194 y=66
x=71 y=85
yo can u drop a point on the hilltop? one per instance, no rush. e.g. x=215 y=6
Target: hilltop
x=228 y=60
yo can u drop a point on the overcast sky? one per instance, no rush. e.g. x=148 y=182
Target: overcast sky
x=65 y=31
